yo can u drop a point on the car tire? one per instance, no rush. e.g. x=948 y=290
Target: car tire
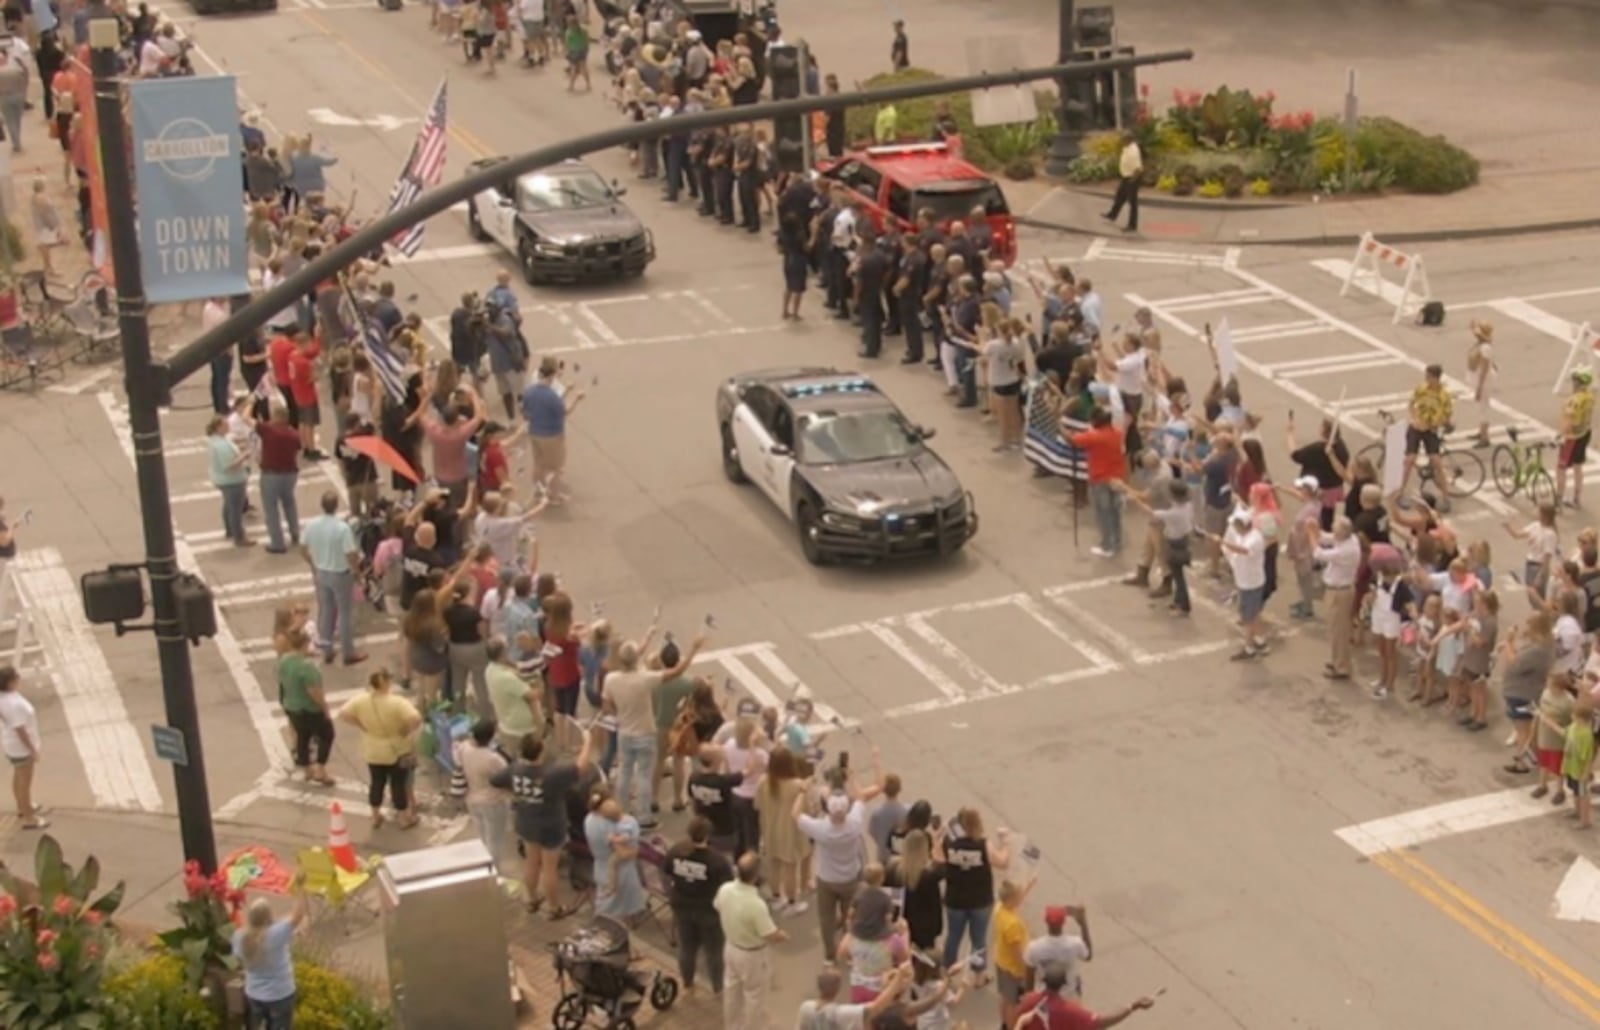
x=525 y=258
x=475 y=224
x=730 y=457
x=805 y=520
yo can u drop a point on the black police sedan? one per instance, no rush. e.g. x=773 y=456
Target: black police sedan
x=837 y=457
x=564 y=223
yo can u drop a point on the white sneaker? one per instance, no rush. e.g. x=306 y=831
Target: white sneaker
x=779 y=907
x=797 y=908
x=1101 y=552
x=1379 y=692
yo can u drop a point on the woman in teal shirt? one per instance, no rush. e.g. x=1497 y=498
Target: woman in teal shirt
x=228 y=474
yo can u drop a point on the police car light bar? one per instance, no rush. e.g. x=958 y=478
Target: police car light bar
x=821 y=389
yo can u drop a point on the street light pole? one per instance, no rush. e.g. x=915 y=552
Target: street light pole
x=145 y=385
x=1067 y=147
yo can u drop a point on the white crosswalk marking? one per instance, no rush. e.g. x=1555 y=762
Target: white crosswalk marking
x=112 y=749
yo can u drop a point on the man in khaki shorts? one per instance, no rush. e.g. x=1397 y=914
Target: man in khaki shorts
x=545 y=406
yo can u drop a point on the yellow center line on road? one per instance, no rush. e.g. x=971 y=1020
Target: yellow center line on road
x=466 y=137
x=1523 y=951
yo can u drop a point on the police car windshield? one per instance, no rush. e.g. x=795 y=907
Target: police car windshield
x=954 y=202
x=564 y=192
x=829 y=438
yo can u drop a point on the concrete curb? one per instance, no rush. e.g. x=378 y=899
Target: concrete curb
x=1351 y=239
x=1150 y=198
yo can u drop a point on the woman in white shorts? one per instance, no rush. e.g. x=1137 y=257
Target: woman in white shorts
x=1391 y=595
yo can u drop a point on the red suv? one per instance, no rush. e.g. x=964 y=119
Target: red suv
x=896 y=182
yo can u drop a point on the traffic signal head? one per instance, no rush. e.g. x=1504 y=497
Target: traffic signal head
x=785 y=71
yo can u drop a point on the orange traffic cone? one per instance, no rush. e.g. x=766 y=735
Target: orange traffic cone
x=339 y=846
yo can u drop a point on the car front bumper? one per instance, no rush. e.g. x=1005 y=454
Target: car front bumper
x=596 y=261
x=907 y=536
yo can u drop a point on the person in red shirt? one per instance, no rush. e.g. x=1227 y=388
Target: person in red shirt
x=494 y=468
x=1102 y=443
x=280 y=476
x=562 y=673
x=1047 y=1010
x=279 y=354
x=303 y=388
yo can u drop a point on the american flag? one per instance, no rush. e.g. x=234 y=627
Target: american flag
x=389 y=367
x=423 y=171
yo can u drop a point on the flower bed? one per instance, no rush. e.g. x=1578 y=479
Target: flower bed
x=1231 y=143
x=64 y=966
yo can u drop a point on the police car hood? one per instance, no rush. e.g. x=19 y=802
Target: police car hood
x=916 y=481
x=581 y=225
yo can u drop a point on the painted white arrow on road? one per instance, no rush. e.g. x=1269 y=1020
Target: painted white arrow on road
x=1578 y=897
x=386 y=122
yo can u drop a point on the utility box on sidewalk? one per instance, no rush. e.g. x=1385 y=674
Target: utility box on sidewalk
x=445 y=934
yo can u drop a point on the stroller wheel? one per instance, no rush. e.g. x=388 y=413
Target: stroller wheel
x=663 y=992
x=570 y=1013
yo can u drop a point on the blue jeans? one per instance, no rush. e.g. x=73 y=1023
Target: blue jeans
x=1107 y=504
x=269 y=1015
x=638 y=768
x=233 y=511
x=972 y=921
x=277 y=502
x=336 y=603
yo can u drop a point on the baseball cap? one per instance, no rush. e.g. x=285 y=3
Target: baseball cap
x=1308 y=483
x=1055 y=915
x=838 y=804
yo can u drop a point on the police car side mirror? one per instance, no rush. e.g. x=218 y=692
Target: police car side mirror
x=780 y=450
x=925 y=432
x=617 y=189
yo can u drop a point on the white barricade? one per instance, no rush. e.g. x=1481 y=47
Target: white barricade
x=1582 y=335
x=1369 y=263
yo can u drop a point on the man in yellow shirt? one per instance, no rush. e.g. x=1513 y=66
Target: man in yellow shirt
x=1010 y=942
x=1432 y=408
x=1577 y=421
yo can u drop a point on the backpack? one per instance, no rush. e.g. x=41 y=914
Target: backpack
x=1432 y=314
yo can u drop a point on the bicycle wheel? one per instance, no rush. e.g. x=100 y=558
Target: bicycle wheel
x=1541 y=488
x=1459 y=473
x=1503 y=466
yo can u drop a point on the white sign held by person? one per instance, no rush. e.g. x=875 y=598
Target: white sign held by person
x=1394 y=458
x=1227 y=360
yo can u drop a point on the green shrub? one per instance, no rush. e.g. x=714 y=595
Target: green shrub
x=1415 y=162
x=1210 y=163
x=1020 y=169
x=1087 y=168
x=916 y=118
x=1211 y=189
x=1261 y=188
x=1233 y=181
x=154 y=994
x=325 y=1000
x=1167 y=183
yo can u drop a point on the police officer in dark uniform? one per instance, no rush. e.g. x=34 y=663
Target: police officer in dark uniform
x=695 y=872
x=722 y=172
x=907 y=290
x=891 y=250
x=747 y=175
x=872 y=272
x=676 y=151
x=705 y=147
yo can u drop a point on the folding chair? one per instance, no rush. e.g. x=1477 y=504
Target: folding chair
x=325 y=878
x=21 y=363
x=96 y=333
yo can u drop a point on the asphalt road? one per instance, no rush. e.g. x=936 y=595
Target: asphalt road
x=1190 y=801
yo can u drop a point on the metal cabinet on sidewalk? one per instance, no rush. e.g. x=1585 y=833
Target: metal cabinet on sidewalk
x=445 y=934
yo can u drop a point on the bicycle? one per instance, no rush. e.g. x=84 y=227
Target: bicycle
x=1520 y=467
x=1458 y=474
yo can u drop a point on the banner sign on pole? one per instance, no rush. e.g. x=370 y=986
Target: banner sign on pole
x=1394 y=457
x=187 y=154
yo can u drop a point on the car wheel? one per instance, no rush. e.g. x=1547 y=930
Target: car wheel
x=525 y=258
x=475 y=224
x=805 y=520
x=730 y=457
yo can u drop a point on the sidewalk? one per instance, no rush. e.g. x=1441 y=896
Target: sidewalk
x=1504 y=204
x=142 y=851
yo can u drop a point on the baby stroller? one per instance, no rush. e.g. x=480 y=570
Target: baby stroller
x=604 y=991
x=369 y=532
